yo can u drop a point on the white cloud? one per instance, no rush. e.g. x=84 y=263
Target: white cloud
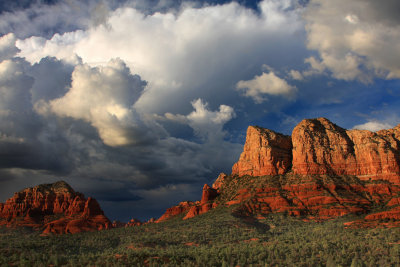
x=61 y=46
x=373 y=126
x=207 y=124
x=183 y=51
x=103 y=96
x=356 y=39
x=265 y=84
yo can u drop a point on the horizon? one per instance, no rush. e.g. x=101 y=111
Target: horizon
x=139 y=103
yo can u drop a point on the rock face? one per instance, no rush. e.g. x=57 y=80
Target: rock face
x=318 y=146
x=265 y=153
x=321 y=172
x=321 y=147
x=54 y=208
x=206 y=202
x=176 y=210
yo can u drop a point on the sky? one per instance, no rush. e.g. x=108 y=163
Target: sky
x=140 y=103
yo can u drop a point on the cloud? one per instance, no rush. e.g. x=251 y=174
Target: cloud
x=14 y=95
x=40 y=19
x=296 y=75
x=266 y=84
x=208 y=124
x=355 y=39
x=373 y=126
x=26 y=140
x=103 y=96
x=52 y=79
x=7 y=46
x=193 y=52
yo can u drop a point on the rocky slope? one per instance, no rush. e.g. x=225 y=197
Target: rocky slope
x=320 y=172
x=53 y=208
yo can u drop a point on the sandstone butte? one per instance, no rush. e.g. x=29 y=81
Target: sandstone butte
x=53 y=208
x=320 y=172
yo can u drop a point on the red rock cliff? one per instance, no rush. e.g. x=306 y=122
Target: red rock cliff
x=321 y=147
x=318 y=146
x=265 y=153
x=56 y=208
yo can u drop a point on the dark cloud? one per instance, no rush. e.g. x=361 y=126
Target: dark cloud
x=52 y=79
x=386 y=12
x=28 y=156
x=14 y=5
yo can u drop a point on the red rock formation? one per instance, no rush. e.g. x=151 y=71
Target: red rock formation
x=323 y=171
x=265 y=153
x=315 y=199
x=321 y=147
x=220 y=181
x=208 y=195
x=176 y=210
x=56 y=208
x=318 y=146
x=192 y=209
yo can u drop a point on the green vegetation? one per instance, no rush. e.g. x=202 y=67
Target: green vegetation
x=216 y=238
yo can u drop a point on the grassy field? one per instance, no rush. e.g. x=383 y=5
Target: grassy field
x=216 y=238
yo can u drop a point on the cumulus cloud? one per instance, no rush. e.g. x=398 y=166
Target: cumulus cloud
x=373 y=126
x=208 y=123
x=26 y=141
x=103 y=96
x=355 y=39
x=182 y=54
x=266 y=84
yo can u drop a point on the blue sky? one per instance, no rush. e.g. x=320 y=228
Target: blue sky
x=139 y=103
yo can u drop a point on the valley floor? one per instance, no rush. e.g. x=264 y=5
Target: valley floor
x=216 y=238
